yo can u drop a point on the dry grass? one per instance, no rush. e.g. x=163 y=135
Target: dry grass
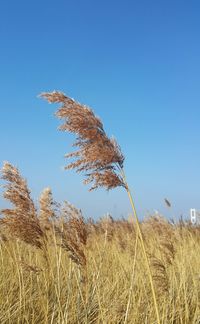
x=56 y=267
x=98 y=156
x=117 y=288
x=21 y=221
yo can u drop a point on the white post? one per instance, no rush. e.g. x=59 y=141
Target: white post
x=193 y=216
x=198 y=218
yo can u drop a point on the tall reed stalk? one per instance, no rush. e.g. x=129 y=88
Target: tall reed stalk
x=99 y=156
x=143 y=246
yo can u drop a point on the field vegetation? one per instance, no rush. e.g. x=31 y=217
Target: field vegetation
x=58 y=267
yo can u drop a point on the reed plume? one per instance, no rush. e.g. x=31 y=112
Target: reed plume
x=99 y=156
x=73 y=234
x=47 y=204
x=21 y=221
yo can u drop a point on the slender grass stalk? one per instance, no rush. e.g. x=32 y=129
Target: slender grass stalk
x=97 y=155
x=142 y=246
x=132 y=280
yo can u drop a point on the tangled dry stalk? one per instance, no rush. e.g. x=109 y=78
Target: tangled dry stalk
x=115 y=288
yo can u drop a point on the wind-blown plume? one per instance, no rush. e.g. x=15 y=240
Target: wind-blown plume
x=21 y=221
x=98 y=156
x=74 y=233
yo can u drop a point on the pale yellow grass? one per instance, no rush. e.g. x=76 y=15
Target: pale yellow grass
x=117 y=288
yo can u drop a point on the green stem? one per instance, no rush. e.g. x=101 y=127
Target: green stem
x=142 y=246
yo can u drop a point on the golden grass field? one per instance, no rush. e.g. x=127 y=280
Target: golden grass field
x=58 y=267
x=51 y=285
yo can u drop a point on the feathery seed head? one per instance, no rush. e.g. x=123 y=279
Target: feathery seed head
x=97 y=154
x=74 y=233
x=21 y=221
x=46 y=204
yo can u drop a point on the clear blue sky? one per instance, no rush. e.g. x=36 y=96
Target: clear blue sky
x=137 y=64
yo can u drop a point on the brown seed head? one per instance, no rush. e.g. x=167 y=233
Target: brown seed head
x=74 y=233
x=97 y=154
x=21 y=221
x=17 y=191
